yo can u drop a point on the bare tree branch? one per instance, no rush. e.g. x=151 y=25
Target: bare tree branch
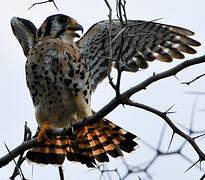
x=171 y=125
x=121 y=99
x=17 y=151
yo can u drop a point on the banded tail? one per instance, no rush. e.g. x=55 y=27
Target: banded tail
x=91 y=143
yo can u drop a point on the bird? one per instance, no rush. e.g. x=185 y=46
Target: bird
x=62 y=74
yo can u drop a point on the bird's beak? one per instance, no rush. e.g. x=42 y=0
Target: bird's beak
x=75 y=27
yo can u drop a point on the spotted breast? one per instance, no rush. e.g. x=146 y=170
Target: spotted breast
x=59 y=84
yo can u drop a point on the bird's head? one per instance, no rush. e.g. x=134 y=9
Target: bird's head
x=59 y=26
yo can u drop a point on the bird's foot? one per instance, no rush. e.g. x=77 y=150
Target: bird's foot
x=43 y=134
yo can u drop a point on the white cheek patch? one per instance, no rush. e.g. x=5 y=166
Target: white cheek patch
x=66 y=37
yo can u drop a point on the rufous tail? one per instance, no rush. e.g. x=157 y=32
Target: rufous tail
x=90 y=143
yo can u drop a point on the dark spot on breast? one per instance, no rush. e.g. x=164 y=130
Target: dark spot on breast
x=86 y=100
x=82 y=75
x=87 y=82
x=50 y=102
x=77 y=71
x=85 y=92
x=59 y=93
x=67 y=53
x=71 y=73
x=67 y=82
x=71 y=46
x=33 y=66
x=76 y=91
x=75 y=85
x=70 y=65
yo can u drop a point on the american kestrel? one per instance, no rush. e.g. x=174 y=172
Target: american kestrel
x=62 y=75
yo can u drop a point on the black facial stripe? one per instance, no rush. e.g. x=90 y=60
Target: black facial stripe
x=48 y=27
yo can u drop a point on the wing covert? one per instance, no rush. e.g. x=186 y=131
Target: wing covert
x=144 y=41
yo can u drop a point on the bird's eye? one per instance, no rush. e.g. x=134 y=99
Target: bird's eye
x=63 y=19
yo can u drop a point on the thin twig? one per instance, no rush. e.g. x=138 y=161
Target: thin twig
x=189 y=82
x=43 y=2
x=18 y=168
x=170 y=141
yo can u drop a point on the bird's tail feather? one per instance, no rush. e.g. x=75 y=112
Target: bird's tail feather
x=90 y=143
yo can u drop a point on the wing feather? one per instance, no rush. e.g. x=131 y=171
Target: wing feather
x=25 y=32
x=144 y=41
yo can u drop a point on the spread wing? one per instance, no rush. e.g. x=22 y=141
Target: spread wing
x=25 y=32
x=144 y=41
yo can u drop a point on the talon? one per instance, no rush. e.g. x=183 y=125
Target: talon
x=85 y=130
x=74 y=119
x=42 y=135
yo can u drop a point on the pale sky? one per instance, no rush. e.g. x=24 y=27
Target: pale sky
x=16 y=106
